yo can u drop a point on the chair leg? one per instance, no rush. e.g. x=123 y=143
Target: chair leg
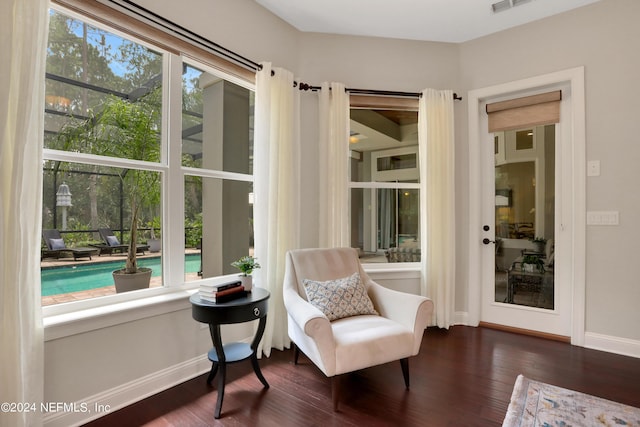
x=404 y=363
x=296 y=353
x=335 y=391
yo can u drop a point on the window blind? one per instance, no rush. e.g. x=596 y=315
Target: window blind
x=534 y=110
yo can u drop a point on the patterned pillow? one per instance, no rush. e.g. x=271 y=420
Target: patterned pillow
x=339 y=298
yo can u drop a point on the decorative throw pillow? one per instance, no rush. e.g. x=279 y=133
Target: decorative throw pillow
x=112 y=241
x=339 y=298
x=57 y=244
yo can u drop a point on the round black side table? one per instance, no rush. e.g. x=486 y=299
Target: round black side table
x=251 y=307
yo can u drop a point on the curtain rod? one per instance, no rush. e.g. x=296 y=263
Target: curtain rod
x=306 y=86
x=189 y=35
x=184 y=33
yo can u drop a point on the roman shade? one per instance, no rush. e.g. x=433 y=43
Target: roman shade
x=534 y=110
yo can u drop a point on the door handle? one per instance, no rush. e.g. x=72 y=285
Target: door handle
x=487 y=241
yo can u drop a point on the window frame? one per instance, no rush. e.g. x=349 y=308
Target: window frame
x=80 y=316
x=374 y=102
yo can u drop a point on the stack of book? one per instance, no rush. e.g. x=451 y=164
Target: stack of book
x=222 y=292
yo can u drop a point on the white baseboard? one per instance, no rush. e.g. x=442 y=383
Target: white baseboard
x=100 y=404
x=623 y=346
x=608 y=343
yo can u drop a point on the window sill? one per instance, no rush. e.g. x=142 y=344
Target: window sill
x=391 y=268
x=64 y=324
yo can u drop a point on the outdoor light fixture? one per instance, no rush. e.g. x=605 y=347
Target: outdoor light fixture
x=63 y=200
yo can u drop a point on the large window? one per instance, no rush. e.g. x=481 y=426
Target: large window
x=111 y=164
x=385 y=213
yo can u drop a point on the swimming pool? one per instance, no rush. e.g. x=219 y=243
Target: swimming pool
x=82 y=277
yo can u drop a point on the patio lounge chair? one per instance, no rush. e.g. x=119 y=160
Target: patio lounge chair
x=112 y=244
x=56 y=246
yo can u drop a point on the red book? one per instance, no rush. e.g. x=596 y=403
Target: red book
x=226 y=295
x=229 y=291
x=213 y=292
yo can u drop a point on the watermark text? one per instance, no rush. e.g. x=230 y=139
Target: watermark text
x=54 y=407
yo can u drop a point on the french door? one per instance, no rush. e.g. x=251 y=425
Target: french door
x=523 y=231
x=527 y=213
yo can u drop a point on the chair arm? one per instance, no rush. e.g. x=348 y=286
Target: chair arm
x=412 y=311
x=311 y=331
x=308 y=318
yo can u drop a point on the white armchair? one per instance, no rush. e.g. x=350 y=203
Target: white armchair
x=356 y=342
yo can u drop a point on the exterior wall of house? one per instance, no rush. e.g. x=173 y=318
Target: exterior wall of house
x=120 y=363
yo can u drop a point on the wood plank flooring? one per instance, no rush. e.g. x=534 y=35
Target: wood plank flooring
x=462 y=377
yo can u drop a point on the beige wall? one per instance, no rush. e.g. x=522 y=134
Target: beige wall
x=238 y=25
x=603 y=37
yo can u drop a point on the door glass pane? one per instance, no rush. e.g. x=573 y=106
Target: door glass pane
x=525 y=218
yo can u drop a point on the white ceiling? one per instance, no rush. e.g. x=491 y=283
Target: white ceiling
x=432 y=20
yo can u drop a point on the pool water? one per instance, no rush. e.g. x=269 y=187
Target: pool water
x=82 y=277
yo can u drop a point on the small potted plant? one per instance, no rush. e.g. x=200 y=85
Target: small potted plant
x=531 y=263
x=246 y=265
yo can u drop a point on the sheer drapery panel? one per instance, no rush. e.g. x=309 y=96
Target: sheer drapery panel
x=276 y=198
x=334 y=165
x=23 y=38
x=437 y=181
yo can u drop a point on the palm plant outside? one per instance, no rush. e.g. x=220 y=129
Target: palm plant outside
x=127 y=130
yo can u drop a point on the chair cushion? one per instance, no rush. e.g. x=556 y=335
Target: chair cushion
x=363 y=341
x=57 y=244
x=113 y=241
x=339 y=298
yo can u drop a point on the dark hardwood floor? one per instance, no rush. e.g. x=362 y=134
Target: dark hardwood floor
x=462 y=377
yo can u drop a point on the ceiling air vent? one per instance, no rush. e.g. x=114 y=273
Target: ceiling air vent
x=503 y=5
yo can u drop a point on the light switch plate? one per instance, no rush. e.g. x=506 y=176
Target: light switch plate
x=603 y=218
x=593 y=168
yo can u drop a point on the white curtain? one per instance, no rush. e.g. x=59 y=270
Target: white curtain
x=437 y=184
x=276 y=191
x=334 y=166
x=23 y=37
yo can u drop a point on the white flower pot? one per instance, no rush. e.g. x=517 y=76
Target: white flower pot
x=247 y=282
